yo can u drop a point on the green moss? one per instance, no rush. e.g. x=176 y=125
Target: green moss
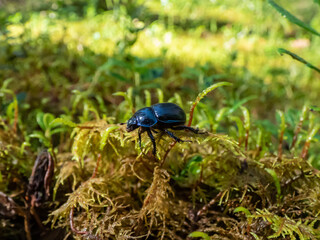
x=73 y=71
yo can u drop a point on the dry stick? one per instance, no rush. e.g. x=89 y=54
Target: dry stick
x=23 y=212
x=191 y=113
x=280 y=145
x=27 y=227
x=298 y=129
x=86 y=127
x=26 y=215
x=206 y=207
x=295 y=137
x=305 y=150
x=167 y=152
x=16 y=115
x=76 y=231
x=94 y=174
x=306 y=146
x=258 y=150
x=73 y=228
x=37 y=218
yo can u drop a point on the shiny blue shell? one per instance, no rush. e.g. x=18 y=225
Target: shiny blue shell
x=169 y=113
x=162 y=115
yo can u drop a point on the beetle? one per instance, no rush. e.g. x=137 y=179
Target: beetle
x=159 y=116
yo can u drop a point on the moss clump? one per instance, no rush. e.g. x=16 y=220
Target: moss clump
x=208 y=185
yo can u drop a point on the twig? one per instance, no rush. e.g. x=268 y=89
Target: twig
x=298 y=128
x=191 y=113
x=26 y=215
x=27 y=227
x=76 y=231
x=206 y=207
x=86 y=127
x=94 y=174
x=305 y=150
x=16 y=115
x=280 y=145
x=167 y=152
x=37 y=218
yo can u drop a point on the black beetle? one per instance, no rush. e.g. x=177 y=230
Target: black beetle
x=159 y=116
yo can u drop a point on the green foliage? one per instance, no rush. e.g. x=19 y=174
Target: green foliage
x=292 y=18
x=49 y=126
x=276 y=181
x=284 y=226
x=199 y=234
x=73 y=70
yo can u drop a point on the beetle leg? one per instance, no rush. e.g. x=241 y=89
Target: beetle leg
x=152 y=140
x=172 y=135
x=139 y=134
x=197 y=131
x=154 y=130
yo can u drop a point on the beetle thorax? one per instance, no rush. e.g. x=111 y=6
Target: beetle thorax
x=132 y=124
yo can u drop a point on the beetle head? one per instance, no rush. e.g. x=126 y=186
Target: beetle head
x=132 y=124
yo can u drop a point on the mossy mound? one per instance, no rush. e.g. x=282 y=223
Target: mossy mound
x=207 y=187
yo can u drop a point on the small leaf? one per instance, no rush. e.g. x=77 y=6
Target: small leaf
x=200 y=234
x=39 y=118
x=127 y=96
x=57 y=130
x=47 y=119
x=242 y=209
x=256 y=237
x=23 y=145
x=41 y=137
x=5 y=85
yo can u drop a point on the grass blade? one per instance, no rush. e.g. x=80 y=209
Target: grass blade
x=276 y=181
x=296 y=57
x=202 y=95
x=292 y=18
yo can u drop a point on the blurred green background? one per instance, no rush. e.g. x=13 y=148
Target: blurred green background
x=68 y=58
